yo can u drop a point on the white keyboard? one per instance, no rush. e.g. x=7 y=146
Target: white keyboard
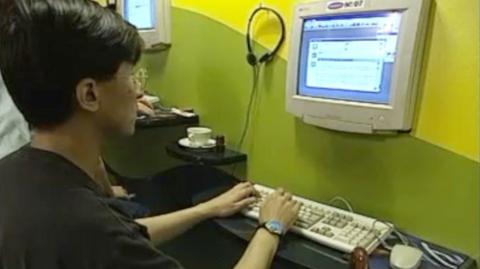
x=330 y=226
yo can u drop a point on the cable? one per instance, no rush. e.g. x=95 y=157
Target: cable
x=382 y=241
x=424 y=256
x=256 y=62
x=454 y=259
x=256 y=71
x=400 y=236
x=341 y=199
x=437 y=256
x=253 y=94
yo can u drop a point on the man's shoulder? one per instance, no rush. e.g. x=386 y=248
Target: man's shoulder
x=16 y=173
x=32 y=167
x=73 y=215
x=11 y=159
x=49 y=192
x=21 y=163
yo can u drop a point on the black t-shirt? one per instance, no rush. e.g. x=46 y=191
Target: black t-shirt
x=52 y=216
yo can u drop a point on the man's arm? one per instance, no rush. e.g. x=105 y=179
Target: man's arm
x=165 y=227
x=260 y=252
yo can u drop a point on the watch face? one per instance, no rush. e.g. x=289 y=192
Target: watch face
x=274 y=226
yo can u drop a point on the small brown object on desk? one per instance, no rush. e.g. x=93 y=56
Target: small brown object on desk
x=359 y=259
x=219 y=143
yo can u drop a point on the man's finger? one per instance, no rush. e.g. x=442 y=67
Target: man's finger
x=280 y=191
x=245 y=202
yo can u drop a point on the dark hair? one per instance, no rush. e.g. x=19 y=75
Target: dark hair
x=48 y=46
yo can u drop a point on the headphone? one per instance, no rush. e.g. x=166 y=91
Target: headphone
x=252 y=59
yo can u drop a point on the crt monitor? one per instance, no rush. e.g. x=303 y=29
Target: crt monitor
x=151 y=17
x=354 y=65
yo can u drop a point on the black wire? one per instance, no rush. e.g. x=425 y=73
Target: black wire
x=253 y=91
x=253 y=94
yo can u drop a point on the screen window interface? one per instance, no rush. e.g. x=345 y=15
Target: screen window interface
x=349 y=57
x=140 y=13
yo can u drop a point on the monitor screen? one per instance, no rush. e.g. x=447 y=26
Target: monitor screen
x=349 y=57
x=140 y=13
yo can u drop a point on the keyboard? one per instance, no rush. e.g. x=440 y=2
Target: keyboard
x=330 y=226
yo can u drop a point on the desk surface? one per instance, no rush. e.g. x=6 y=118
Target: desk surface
x=165 y=119
x=305 y=253
x=311 y=255
x=294 y=252
x=207 y=156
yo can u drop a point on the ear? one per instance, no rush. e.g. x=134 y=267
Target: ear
x=87 y=94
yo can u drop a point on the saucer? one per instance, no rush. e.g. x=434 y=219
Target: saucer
x=185 y=142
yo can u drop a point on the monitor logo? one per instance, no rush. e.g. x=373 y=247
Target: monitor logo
x=335 y=5
x=346 y=4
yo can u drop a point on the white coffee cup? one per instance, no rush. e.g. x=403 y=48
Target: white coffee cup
x=199 y=136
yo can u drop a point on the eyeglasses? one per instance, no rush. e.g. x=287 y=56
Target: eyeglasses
x=139 y=79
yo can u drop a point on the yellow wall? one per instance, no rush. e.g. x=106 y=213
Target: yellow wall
x=449 y=112
x=449 y=107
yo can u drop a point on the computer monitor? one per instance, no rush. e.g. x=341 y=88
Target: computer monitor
x=151 y=17
x=354 y=65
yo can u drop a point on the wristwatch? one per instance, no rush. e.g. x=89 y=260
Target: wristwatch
x=274 y=227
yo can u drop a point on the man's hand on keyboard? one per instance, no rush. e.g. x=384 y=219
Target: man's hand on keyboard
x=232 y=201
x=281 y=207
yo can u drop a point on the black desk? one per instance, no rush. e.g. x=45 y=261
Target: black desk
x=311 y=255
x=165 y=119
x=303 y=253
x=220 y=243
x=205 y=156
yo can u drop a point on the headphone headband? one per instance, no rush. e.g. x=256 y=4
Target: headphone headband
x=251 y=57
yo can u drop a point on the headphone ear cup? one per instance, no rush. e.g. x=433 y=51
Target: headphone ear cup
x=251 y=59
x=265 y=58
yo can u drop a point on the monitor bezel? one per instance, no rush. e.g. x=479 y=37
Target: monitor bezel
x=397 y=114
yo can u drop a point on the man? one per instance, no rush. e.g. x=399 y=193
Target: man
x=67 y=65
x=14 y=134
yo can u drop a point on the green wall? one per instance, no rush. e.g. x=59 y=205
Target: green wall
x=423 y=189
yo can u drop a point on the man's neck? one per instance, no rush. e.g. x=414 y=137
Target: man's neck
x=78 y=144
